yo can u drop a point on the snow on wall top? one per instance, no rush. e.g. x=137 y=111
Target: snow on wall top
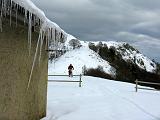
x=28 y=5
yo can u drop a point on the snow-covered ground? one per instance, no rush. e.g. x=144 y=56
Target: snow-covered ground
x=100 y=99
x=79 y=58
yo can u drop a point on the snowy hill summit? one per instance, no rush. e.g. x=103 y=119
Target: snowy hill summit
x=118 y=60
x=80 y=56
x=88 y=52
x=126 y=52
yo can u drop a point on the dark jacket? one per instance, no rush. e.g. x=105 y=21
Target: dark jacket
x=70 y=67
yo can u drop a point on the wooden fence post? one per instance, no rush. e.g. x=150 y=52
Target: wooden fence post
x=136 y=85
x=80 y=81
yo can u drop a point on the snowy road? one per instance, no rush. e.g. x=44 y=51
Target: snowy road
x=100 y=99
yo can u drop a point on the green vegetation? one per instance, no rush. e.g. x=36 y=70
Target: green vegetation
x=126 y=71
x=98 y=72
x=75 y=43
x=158 y=69
x=129 y=47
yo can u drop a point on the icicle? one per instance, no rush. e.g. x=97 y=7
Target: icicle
x=1 y=8
x=35 y=56
x=25 y=16
x=41 y=45
x=1 y=24
x=11 y=14
x=34 y=23
x=30 y=32
x=46 y=46
x=4 y=7
x=55 y=38
x=16 y=14
x=1 y=17
x=54 y=45
x=48 y=38
x=58 y=41
x=52 y=40
x=49 y=32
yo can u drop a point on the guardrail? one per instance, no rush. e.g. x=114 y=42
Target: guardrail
x=151 y=83
x=80 y=79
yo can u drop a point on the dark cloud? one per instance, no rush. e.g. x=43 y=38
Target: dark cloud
x=133 y=21
x=145 y=4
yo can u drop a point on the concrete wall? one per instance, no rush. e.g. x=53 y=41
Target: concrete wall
x=16 y=103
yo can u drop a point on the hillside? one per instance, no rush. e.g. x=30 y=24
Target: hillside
x=91 y=57
x=128 y=53
x=109 y=59
x=79 y=58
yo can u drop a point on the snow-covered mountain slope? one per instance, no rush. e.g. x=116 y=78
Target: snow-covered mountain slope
x=100 y=99
x=128 y=53
x=85 y=56
x=79 y=58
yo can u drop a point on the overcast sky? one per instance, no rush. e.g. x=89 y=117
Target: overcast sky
x=133 y=21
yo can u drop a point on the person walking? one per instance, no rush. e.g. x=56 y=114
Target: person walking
x=70 y=69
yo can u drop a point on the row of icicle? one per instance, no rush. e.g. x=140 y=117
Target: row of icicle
x=52 y=36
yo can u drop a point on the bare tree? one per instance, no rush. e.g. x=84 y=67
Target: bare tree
x=75 y=43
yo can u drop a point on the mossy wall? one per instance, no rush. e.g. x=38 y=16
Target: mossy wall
x=16 y=103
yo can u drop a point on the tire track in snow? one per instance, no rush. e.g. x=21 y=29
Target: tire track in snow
x=106 y=89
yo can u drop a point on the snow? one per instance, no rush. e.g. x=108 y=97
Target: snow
x=97 y=99
x=89 y=58
x=100 y=99
x=28 y=5
x=79 y=58
x=69 y=37
x=148 y=65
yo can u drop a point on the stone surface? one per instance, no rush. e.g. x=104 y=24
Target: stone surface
x=16 y=103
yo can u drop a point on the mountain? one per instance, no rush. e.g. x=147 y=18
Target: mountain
x=79 y=57
x=127 y=53
x=114 y=60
